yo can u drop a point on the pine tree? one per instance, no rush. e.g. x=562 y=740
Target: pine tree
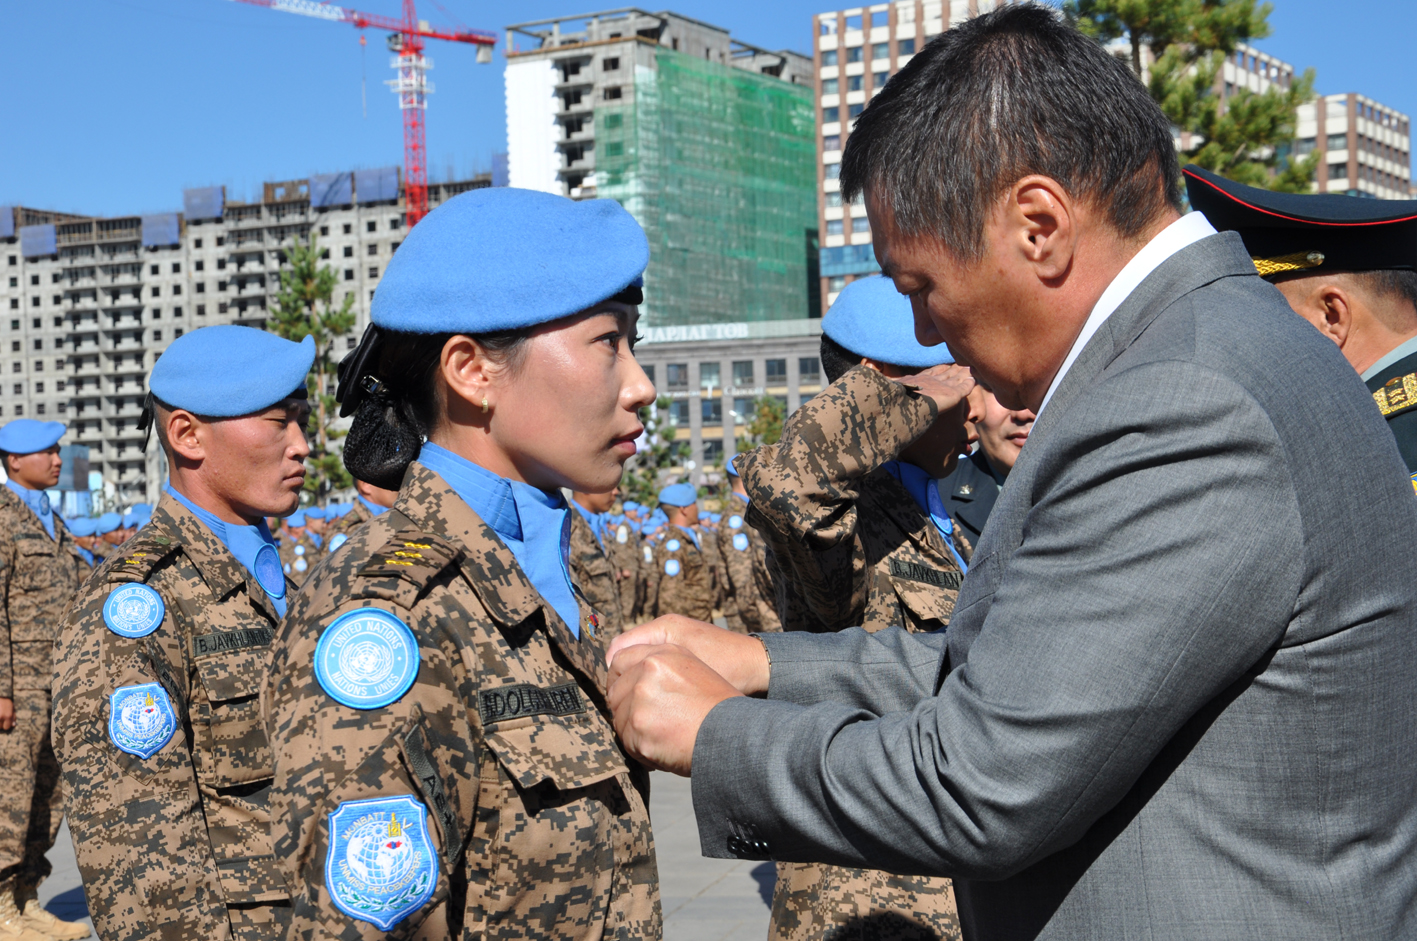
x=660 y=451
x=769 y=413
x=1246 y=136
x=305 y=307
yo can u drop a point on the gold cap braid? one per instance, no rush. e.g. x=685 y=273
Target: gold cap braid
x=1284 y=263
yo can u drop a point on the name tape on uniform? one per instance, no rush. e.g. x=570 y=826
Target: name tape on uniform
x=224 y=641
x=518 y=702
x=915 y=572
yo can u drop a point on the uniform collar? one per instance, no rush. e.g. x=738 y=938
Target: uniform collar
x=242 y=542
x=373 y=509
x=219 y=569
x=1399 y=352
x=38 y=503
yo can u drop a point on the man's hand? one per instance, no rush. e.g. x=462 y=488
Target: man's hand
x=7 y=715
x=948 y=386
x=737 y=658
x=659 y=696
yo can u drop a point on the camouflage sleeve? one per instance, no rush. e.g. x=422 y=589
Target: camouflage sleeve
x=137 y=822
x=738 y=570
x=7 y=652
x=419 y=751
x=804 y=489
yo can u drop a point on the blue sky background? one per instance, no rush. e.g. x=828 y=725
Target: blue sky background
x=113 y=106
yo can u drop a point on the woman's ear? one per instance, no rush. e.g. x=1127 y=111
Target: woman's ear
x=469 y=374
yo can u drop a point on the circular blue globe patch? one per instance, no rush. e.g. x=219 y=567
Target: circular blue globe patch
x=740 y=542
x=339 y=540
x=735 y=522
x=140 y=719
x=133 y=610
x=380 y=866
x=268 y=572
x=671 y=568
x=672 y=545
x=366 y=659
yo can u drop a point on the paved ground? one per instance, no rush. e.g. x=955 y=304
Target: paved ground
x=704 y=899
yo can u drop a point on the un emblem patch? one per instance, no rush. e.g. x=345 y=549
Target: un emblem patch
x=339 y=540
x=671 y=568
x=133 y=610
x=622 y=535
x=672 y=545
x=268 y=572
x=740 y=542
x=380 y=866
x=366 y=659
x=735 y=522
x=140 y=719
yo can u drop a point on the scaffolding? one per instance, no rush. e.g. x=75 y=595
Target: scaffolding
x=719 y=166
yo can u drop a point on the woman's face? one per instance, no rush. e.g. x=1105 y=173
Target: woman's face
x=564 y=410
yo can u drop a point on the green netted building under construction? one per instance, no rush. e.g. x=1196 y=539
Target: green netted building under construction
x=709 y=142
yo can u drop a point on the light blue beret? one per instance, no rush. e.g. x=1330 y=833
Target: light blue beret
x=130 y=520
x=630 y=505
x=26 y=436
x=872 y=319
x=314 y=513
x=82 y=525
x=226 y=371
x=732 y=471
x=143 y=509
x=296 y=519
x=502 y=259
x=107 y=523
x=678 y=495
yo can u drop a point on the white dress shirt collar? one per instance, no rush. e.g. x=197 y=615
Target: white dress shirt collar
x=1185 y=231
x=1401 y=351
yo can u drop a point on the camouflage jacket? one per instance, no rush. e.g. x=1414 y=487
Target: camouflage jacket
x=39 y=576
x=594 y=575
x=718 y=578
x=622 y=544
x=683 y=577
x=346 y=525
x=744 y=555
x=176 y=845
x=850 y=544
x=537 y=822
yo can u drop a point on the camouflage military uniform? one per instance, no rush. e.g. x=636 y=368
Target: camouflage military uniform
x=718 y=578
x=298 y=555
x=539 y=822
x=742 y=561
x=852 y=548
x=39 y=576
x=622 y=544
x=345 y=526
x=683 y=579
x=177 y=845
x=595 y=577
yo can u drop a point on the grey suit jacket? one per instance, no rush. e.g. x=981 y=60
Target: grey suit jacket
x=1178 y=696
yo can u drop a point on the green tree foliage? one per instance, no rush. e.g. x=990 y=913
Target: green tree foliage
x=305 y=307
x=769 y=412
x=660 y=452
x=1245 y=137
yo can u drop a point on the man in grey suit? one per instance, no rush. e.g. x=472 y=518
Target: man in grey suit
x=1177 y=696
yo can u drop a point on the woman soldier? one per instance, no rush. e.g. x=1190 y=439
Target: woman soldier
x=445 y=761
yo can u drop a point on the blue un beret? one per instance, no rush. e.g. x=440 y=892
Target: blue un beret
x=679 y=495
x=226 y=371
x=82 y=525
x=504 y=259
x=872 y=319
x=314 y=513
x=107 y=523
x=296 y=519
x=130 y=520
x=26 y=436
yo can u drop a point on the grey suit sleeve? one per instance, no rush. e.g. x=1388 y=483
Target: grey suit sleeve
x=888 y=671
x=1161 y=561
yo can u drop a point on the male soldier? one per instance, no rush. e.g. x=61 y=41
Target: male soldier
x=298 y=552
x=969 y=493
x=706 y=528
x=82 y=528
x=683 y=583
x=848 y=504
x=315 y=522
x=369 y=501
x=157 y=717
x=594 y=573
x=622 y=544
x=744 y=557
x=40 y=571
x=111 y=536
x=1345 y=264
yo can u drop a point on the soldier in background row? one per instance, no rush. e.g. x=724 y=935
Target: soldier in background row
x=849 y=506
x=298 y=552
x=683 y=577
x=82 y=528
x=369 y=501
x=744 y=558
x=594 y=572
x=40 y=571
x=623 y=546
x=157 y=712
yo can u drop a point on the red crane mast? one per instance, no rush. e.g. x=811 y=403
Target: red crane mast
x=411 y=85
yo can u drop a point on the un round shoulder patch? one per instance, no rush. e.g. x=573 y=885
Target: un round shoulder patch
x=140 y=719
x=671 y=568
x=300 y=564
x=339 y=540
x=133 y=610
x=672 y=545
x=380 y=866
x=268 y=572
x=366 y=659
x=299 y=550
x=740 y=542
x=735 y=522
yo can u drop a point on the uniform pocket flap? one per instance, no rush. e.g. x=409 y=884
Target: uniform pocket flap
x=572 y=748
x=232 y=672
x=251 y=879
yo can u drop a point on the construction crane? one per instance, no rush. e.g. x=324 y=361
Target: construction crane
x=411 y=85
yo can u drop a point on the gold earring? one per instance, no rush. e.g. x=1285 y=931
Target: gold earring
x=484 y=405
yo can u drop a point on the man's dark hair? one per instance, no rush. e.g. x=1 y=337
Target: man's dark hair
x=1002 y=96
x=1396 y=283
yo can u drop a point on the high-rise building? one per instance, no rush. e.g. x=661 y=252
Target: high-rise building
x=708 y=141
x=1366 y=147
x=92 y=302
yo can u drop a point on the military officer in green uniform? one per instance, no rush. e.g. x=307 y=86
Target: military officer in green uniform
x=1345 y=264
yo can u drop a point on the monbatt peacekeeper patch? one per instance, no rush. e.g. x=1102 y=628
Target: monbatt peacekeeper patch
x=133 y=610
x=366 y=659
x=1397 y=395
x=140 y=719
x=380 y=866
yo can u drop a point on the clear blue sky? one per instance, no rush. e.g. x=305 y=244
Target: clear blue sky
x=113 y=106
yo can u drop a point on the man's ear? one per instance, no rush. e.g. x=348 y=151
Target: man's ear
x=1040 y=221
x=186 y=435
x=1335 y=305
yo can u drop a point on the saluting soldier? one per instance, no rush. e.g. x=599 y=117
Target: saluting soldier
x=848 y=503
x=683 y=580
x=744 y=557
x=591 y=566
x=369 y=501
x=40 y=572
x=157 y=716
x=445 y=760
x=1347 y=265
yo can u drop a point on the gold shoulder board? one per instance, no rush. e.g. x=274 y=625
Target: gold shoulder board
x=1397 y=395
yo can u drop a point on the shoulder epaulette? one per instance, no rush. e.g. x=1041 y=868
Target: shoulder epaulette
x=411 y=555
x=1397 y=395
x=134 y=560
